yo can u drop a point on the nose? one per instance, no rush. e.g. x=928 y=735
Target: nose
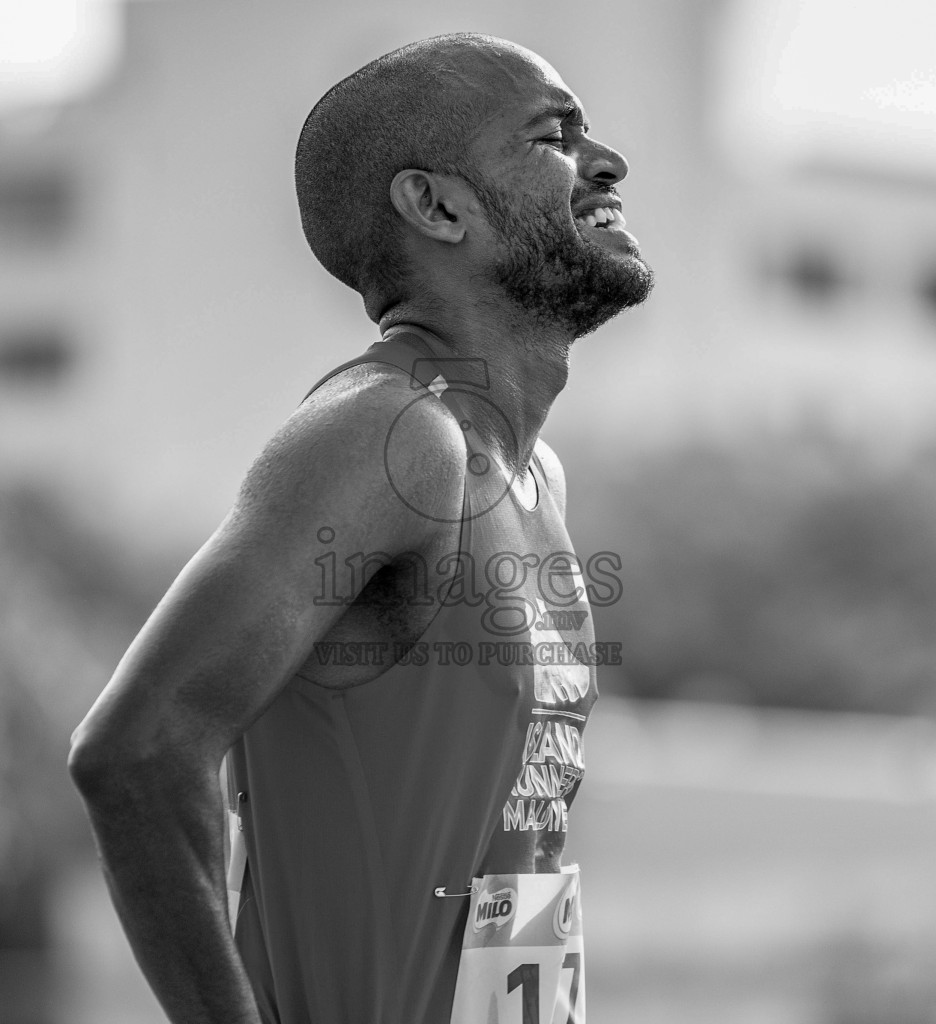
x=598 y=162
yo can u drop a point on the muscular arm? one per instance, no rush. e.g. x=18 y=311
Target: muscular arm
x=218 y=649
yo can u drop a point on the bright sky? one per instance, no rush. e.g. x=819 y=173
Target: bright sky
x=51 y=50
x=798 y=79
x=852 y=79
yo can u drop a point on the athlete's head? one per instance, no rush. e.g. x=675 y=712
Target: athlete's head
x=496 y=118
x=413 y=107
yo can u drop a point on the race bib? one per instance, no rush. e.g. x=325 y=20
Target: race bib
x=522 y=959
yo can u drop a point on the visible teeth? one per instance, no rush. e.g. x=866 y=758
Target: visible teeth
x=602 y=216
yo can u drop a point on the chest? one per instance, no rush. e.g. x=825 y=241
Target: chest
x=504 y=583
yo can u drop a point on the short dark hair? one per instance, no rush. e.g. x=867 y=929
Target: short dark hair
x=409 y=108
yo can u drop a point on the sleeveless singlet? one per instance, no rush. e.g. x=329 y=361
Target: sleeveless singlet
x=359 y=807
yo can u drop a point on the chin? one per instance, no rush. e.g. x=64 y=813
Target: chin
x=560 y=277
x=626 y=282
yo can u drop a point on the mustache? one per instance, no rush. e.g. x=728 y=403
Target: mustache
x=593 y=190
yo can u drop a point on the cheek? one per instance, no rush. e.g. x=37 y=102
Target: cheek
x=548 y=195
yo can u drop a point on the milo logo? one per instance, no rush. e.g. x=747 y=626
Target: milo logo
x=495 y=908
x=564 y=914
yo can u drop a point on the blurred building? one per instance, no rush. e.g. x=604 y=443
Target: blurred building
x=824 y=125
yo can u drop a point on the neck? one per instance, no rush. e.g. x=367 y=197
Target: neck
x=527 y=364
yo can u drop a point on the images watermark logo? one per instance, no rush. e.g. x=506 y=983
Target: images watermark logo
x=460 y=384
x=515 y=591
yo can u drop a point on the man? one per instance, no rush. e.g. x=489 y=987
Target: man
x=372 y=631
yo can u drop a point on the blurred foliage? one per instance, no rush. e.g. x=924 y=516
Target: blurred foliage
x=68 y=608
x=869 y=979
x=794 y=569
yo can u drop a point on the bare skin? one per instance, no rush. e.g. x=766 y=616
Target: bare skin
x=241 y=619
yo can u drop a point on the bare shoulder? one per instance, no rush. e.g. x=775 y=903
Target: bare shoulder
x=246 y=610
x=555 y=474
x=365 y=446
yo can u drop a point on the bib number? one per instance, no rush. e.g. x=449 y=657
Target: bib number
x=522 y=959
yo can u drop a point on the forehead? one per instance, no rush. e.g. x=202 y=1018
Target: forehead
x=521 y=88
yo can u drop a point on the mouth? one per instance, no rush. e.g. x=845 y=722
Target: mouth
x=607 y=219
x=602 y=217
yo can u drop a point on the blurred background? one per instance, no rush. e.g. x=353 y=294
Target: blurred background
x=757 y=446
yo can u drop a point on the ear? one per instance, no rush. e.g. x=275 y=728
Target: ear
x=433 y=204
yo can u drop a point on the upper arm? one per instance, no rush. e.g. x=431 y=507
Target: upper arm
x=243 y=614
x=555 y=475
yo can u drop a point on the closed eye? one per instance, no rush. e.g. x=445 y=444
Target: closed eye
x=565 y=135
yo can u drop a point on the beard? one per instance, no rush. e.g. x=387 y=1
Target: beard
x=548 y=269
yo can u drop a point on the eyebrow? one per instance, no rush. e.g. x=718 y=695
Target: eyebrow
x=561 y=111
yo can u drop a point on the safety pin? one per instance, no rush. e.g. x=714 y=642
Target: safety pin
x=442 y=894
